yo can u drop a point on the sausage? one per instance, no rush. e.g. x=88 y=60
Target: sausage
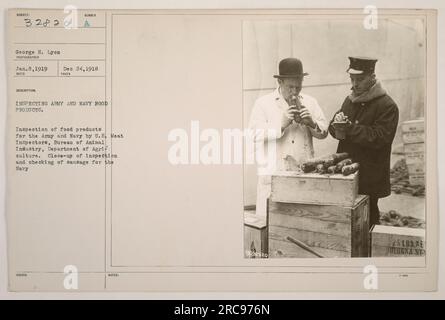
x=311 y=164
x=327 y=161
x=347 y=170
x=320 y=168
x=331 y=170
x=315 y=161
x=341 y=164
x=307 y=167
x=339 y=157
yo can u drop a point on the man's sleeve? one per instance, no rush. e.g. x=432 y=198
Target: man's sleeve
x=263 y=127
x=321 y=130
x=331 y=127
x=380 y=133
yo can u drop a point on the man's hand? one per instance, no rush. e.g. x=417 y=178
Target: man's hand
x=288 y=116
x=305 y=117
x=341 y=125
x=341 y=117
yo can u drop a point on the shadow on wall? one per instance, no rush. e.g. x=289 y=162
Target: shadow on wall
x=324 y=47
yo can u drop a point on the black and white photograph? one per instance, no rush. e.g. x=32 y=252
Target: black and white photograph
x=222 y=150
x=345 y=100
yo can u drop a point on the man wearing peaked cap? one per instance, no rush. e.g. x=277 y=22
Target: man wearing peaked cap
x=291 y=119
x=371 y=118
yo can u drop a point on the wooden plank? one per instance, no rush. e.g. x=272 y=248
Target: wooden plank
x=413 y=125
x=397 y=241
x=386 y=233
x=360 y=229
x=310 y=224
x=265 y=242
x=253 y=220
x=356 y=230
x=417 y=180
x=365 y=223
x=380 y=251
x=286 y=249
x=255 y=236
x=317 y=176
x=413 y=137
x=415 y=158
x=306 y=188
x=416 y=169
x=312 y=239
x=414 y=148
x=331 y=213
x=326 y=213
x=414 y=155
x=255 y=242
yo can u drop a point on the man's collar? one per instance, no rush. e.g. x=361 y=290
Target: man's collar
x=374 y=92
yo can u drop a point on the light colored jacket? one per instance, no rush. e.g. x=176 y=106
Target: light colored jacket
x=295 y=140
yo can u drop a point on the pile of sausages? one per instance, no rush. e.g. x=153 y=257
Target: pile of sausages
x=331 y=164
x=395 y=219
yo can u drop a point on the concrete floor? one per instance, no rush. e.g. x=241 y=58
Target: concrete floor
x=404 y=204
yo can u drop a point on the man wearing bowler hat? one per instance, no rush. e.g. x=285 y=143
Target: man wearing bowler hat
x=371 y=118
x=294 y=117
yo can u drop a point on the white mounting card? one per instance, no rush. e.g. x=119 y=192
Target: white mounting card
x=128 y=149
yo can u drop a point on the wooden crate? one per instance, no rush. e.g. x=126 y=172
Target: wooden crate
x=255 y=236
x=331 y=231
x=413 y=131
x=387 y=241
x=313 y=188
x=415 y=160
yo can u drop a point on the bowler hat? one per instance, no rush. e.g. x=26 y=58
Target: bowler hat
x=360 y=65
x=290 y=68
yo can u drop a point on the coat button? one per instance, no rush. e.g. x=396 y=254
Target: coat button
x=292 y=141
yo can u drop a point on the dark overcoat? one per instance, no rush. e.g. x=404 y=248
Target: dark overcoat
x=368 y=141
